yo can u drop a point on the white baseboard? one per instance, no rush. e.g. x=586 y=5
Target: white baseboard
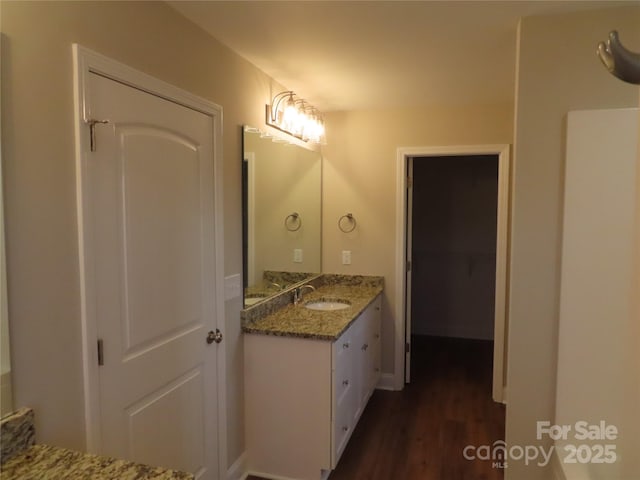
x=386 y=382
x=238 y=471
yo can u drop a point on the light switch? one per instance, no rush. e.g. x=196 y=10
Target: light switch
x=346 y=257
x=297 y=255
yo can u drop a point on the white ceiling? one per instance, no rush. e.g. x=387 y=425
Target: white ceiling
x=344 y=55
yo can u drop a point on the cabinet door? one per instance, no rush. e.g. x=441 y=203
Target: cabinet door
x=288 y=406
x=374 y=350
x=360 y=361
x=345 y=392
x=369 y=352
x=356 y=370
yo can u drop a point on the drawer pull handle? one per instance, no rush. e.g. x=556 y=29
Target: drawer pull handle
x=345 y=345
x=377 y=336
x=345 y=382
x=345 y=429
x=364 y=347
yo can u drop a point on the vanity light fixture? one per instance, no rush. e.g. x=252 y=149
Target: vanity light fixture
x=621 y=62
x=293 y=115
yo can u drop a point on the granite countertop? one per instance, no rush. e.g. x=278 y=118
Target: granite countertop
x=22 y=459
x=297 y=321
x=40 y=462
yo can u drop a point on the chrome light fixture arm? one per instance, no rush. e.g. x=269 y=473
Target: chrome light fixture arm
x=291 y=114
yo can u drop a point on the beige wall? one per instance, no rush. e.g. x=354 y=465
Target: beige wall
x=360 y=177
x=38 y=156
x=558 y=72
x=632 y=446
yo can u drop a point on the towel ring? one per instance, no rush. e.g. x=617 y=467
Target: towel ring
x=293 y=222
x=352 y=221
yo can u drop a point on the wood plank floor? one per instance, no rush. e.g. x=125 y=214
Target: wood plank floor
x=420 y=433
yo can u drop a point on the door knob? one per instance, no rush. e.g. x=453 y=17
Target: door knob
x=214 y=336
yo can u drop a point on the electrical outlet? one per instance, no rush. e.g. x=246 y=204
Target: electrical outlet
x=346 y=257
x=297 y=255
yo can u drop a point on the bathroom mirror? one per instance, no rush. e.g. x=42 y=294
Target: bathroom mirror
x=281 y=214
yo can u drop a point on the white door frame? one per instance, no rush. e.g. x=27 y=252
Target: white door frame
x=403 y=155
x=86 y=62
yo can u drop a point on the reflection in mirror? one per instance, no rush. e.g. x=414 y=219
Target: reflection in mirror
x=281 y=215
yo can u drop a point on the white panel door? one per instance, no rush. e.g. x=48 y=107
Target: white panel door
x=150 y=196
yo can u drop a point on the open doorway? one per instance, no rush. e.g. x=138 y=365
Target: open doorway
x=451 y=245
x=452 y=219
x=467 y=261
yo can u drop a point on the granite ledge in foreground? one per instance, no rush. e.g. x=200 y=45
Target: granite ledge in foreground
x=43 y=462
x=22 y=459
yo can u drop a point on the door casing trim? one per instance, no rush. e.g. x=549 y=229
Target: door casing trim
x=85 y=62
x=502 y=253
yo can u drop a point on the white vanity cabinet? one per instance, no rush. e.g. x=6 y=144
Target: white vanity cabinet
x=355 y=373
x=303 y=397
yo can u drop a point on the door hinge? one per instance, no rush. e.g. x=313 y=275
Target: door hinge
x=407 y=347
x=100 y=353
x=409 y=182
x=92 y=132
x=408 y=265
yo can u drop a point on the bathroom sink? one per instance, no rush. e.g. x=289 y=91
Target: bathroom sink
x=254 y=298
x=325 y=305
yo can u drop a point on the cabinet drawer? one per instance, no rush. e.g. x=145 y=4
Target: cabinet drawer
x=343 y=347
x=344 y=422
x=374 y=368
x=375 y=325
x=343 y=380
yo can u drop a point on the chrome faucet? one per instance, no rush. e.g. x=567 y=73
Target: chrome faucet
x=297 y=293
